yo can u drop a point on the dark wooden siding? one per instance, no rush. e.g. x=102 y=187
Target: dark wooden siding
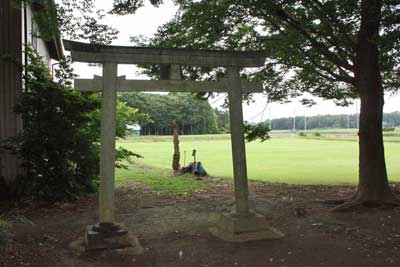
x=10 y=81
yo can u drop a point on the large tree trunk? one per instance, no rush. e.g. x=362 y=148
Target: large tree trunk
x=373 y=187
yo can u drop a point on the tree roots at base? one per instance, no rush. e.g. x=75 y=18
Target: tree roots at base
x=361 y=200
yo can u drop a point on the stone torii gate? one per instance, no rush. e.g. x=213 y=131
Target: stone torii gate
x=241 y=225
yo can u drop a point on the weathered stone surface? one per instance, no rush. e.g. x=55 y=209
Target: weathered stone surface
x=83 y=52
x=234 y=228
x=107 y=144
x=124 y=85
x=100 y=237
x=237 y=142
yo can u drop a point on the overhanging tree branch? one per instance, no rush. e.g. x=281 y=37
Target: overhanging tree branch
x=324 y=50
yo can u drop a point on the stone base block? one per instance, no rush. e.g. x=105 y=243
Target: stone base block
x=110 y=236
x=233 y=228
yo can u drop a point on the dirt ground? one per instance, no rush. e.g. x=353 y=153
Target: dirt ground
x=174 y=230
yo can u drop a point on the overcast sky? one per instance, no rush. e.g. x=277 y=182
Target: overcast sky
x=148 y=19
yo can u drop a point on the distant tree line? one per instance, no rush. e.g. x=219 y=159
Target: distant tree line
x=192 y=115
x=329 y=121
x=195 y=116
x=222 y=120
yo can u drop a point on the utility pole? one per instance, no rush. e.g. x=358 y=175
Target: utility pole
x=270 y=118
x=294 y=120
x=305 y=124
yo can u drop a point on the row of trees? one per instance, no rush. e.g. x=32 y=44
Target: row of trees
x=223 y=119
x=192 y=115
x=329 y=121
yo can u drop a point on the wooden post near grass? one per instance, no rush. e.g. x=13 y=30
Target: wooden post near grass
x=177 y=154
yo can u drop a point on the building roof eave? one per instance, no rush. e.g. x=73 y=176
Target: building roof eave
x=55 y=48
x=54 y=44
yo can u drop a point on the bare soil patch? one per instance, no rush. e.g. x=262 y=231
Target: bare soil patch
x=174 y=230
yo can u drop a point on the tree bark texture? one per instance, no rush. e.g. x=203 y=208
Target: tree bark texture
x=176 y=157
x=373 y=187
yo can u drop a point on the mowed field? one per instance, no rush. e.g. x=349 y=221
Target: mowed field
x=331 y=158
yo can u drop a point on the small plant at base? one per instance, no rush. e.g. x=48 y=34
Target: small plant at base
x=302 y=134
x=5 y=234
x=317 y=134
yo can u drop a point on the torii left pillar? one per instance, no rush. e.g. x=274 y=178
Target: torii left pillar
x=107 y=233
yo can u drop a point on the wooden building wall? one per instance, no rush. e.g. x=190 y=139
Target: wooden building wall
x=10 y=82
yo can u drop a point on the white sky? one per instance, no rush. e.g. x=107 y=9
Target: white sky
x=146 y=21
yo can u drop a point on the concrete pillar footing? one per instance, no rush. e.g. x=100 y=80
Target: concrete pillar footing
x=238 y=228
x=111 y=236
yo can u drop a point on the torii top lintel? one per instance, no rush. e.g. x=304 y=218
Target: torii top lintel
x=83 y=52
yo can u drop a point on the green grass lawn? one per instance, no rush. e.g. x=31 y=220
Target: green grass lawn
x=155 y=179
x=329 y=159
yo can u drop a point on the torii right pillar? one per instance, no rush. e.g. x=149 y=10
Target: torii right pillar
x=242 y=224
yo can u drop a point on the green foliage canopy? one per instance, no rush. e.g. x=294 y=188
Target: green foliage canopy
x=59 y=144
x=222 y=119
x=310 y=44
x=56 y=149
